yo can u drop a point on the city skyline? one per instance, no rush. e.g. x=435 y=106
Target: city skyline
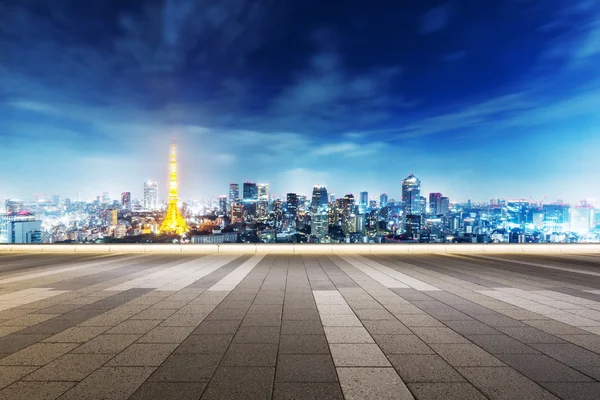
x=301 y=93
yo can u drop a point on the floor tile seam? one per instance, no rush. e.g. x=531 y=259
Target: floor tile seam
x=219 y=364
x=280 y=323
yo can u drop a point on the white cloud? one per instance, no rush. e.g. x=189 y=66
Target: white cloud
x=435 y=19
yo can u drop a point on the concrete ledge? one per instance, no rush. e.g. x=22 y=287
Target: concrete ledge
x=281 y=248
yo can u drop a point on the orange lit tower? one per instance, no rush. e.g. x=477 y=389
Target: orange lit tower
x=173 y=222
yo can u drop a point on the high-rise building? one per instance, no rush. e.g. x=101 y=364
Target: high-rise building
x=372 y=204
x=223 y=204
x=262 y=207
x=364 y=199
x=292 y=205
x=435 y=203
x=126 y=200
x=250 y=192
x=14 y=205
x=383 y=200
x=234 y=193
x=150 y=195
x=580 y=219
x=423 y=202
x=105 y=198
x=332 y=197
x=173 y=222
x=411 y=195
x=319 y=210
x=556 y=217
x=444 y=206
x=237 y=213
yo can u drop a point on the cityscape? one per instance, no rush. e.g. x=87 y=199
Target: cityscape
x=250 y=213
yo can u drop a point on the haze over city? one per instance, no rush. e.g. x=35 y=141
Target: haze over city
x=478 y=99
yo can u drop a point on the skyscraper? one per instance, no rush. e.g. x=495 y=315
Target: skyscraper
x=173 y=222
x=383 y=200
x=250 y=191
x=364 y=199
x=411 y=195
x=223 y=204
x=444 y=206
x=434 y=203
x=319 y=213
x=292 y=205
x=263 y=199
x=234 y=193
x=150 y=195
x=126 y=200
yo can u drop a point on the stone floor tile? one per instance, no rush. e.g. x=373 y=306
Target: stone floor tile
x=217 y=328
x=134 y=327
x=77 y=334
x=143 y=355
x=70 y=367
x=347 y=334
x=294 y=327
x=241 y=383
x=169 y=391
x=262 y=320
x=501 y=344
x=187 y=368
x=504 y=383
x=569 y=354
x=107 y=344
x=358 y=355
x=205 y=344
x=109 y=383
x=35 y=390
x=303 y=344
x=386 y=327
x=529 y=334
x=411 y=320
x=167 y=334
x=372 y=383
x=438 y=335
x=307 y=391
x=424 y=368
x=574 y=391
x=465 y=355
x=473 y=327
x=445 y=391
x=266 y=335
x=305 y=368
x=38 y=354
x=402 y=344
x=541 y=368
x=250 y=355
x=10 y=374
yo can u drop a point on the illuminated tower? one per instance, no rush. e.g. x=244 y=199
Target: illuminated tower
x=173 y=222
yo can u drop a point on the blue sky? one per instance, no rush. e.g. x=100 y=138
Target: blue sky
x=478 y=99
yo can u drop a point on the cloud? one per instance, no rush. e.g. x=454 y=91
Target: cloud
x=349 y=149
x=435 y=19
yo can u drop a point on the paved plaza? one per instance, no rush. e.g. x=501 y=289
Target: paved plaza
x=299 y=326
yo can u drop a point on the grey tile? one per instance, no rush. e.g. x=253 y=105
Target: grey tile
x=10 y=374
x=143 y=355
x=303 y=344
x=307 y=391
x=108 y=344
x=38 y=354
x=217 y=328
x=70 y=367
x=541 y=368
x=257 y=335
x=445 y=391
x=434 y=334
x=77 y=334
x=309 y=327
x=530 y=335
x=305 y=368
x=241 y=383
x=187 y=368
x=358 y=355
x=473 y=327
x=35 y=390
x=504 y=383
x=569 y=354
x=575 y=391
x=465 y=355
x=383 y=327
x=424 y=368
x=501 y=344
x=372 y=383
x=262 y=320
x=402 y=344
x=250 y=355
x=134 y=327
x=167 y=334
x=109 y=383
x=205 y=344
x=347 y=334
x=169 y=391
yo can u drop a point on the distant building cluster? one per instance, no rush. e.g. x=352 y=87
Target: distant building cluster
x=249 y=213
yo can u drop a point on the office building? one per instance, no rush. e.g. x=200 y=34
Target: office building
x=444 y=208
x=319 y=210
x=411 y=195
x=292 y=205
x=250 y=192
x=234 y=193
x=223 y=204
x=150 y=195
x=126 y=200
x=14 y=205
x=383 y=200
x=435 y=203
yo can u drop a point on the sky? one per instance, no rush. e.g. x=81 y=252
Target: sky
x=478 y=99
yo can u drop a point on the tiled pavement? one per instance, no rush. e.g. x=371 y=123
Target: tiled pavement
x=248 y=326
